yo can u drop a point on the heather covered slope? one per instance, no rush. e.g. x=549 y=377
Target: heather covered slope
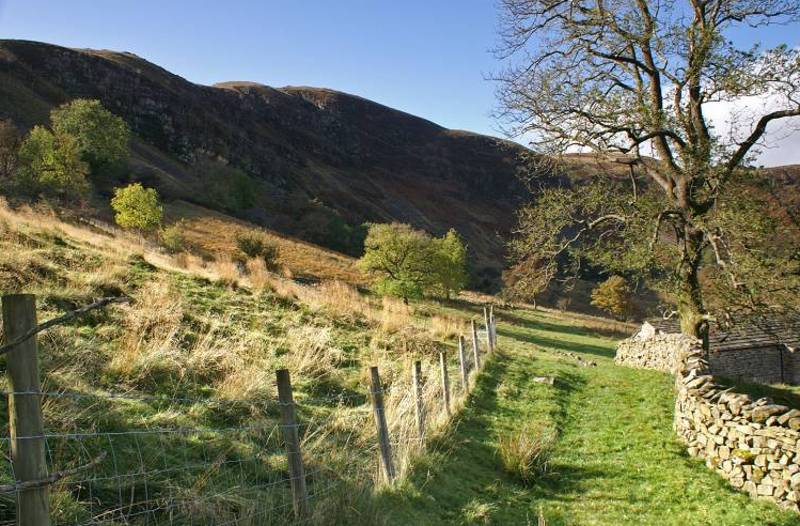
x=315 y=160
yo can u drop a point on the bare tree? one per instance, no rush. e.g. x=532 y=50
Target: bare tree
x=633 y=77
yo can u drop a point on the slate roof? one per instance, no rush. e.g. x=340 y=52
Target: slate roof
x=748 y=334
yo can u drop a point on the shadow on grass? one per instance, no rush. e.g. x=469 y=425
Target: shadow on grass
x=552 y=343
x=564 y=328
x=461 y=470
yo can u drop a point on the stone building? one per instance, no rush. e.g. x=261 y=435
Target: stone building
x=762 y=351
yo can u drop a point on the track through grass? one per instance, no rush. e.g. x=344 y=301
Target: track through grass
x=617 y=461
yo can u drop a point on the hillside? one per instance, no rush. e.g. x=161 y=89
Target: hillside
x=316 y=162
x=309 y=164
x=165 y=408
x=171 y=396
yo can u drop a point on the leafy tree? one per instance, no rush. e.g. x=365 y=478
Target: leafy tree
x=633 y=77
x=451 y=263
x=403 y=258
x=50 y=164
x=411 y=263
x=102 y=136
x=137 y=207
x=613 y=296
x=527 y=278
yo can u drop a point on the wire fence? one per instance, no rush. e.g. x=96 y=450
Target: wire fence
x=77 y=458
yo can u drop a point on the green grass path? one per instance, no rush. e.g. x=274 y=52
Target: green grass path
x=616 y=463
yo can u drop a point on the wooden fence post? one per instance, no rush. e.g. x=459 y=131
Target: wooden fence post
x=494 y=326
x=416 y=380
x=291 y=437
x=25 y=410
x=380 y=424
x=488 y=325
x=445 y=382
x=475 y=351
x=462 y=360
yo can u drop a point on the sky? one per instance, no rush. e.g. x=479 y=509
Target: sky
x=429 y=58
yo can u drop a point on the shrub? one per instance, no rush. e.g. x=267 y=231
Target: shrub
x=173 y=237
x=526 y=453
x=255 y=245
x=137 y=207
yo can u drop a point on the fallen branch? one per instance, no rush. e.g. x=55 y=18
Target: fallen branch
x=52 y=478
x=62 y=319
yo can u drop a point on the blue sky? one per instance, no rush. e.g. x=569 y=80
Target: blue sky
x=428 y=58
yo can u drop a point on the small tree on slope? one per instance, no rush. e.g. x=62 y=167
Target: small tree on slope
x=137 y=207
x=613 y=296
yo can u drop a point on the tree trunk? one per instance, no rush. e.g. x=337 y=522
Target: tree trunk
x=691 y=307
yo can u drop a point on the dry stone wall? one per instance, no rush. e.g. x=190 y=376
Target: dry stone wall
x=652 y=351
x=752 y=443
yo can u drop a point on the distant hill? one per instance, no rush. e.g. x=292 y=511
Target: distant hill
x=318 y=162
x=311 y=163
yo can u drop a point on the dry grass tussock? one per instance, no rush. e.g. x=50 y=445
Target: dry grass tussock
x=344 y=301
x=526 y=453
x=312 y=354
x=159 y=348
x=400 y=403
x=445 y=327
x=395 y=315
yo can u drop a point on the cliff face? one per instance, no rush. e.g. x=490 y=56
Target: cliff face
x=317 y=156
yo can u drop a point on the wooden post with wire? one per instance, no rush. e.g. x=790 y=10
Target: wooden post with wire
x=25 y=410
x=488 y=324
x=445 y=382
x=419 y=406
x=462 y=361
x=494 y=326
x=291 y=437
x=475 y=349
x=380 y=423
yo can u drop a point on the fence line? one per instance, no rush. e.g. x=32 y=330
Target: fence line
x=221 y=462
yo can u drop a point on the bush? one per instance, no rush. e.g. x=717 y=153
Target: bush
x=526 y=453
x=254 y=245
x=137 y=207
x=173 y=237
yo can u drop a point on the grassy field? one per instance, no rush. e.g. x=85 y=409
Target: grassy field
x=616 y=460
x=172 y=396
x=197 y=349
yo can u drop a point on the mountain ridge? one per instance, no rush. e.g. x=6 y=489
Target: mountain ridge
x=315 y=154
x=312 y=163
